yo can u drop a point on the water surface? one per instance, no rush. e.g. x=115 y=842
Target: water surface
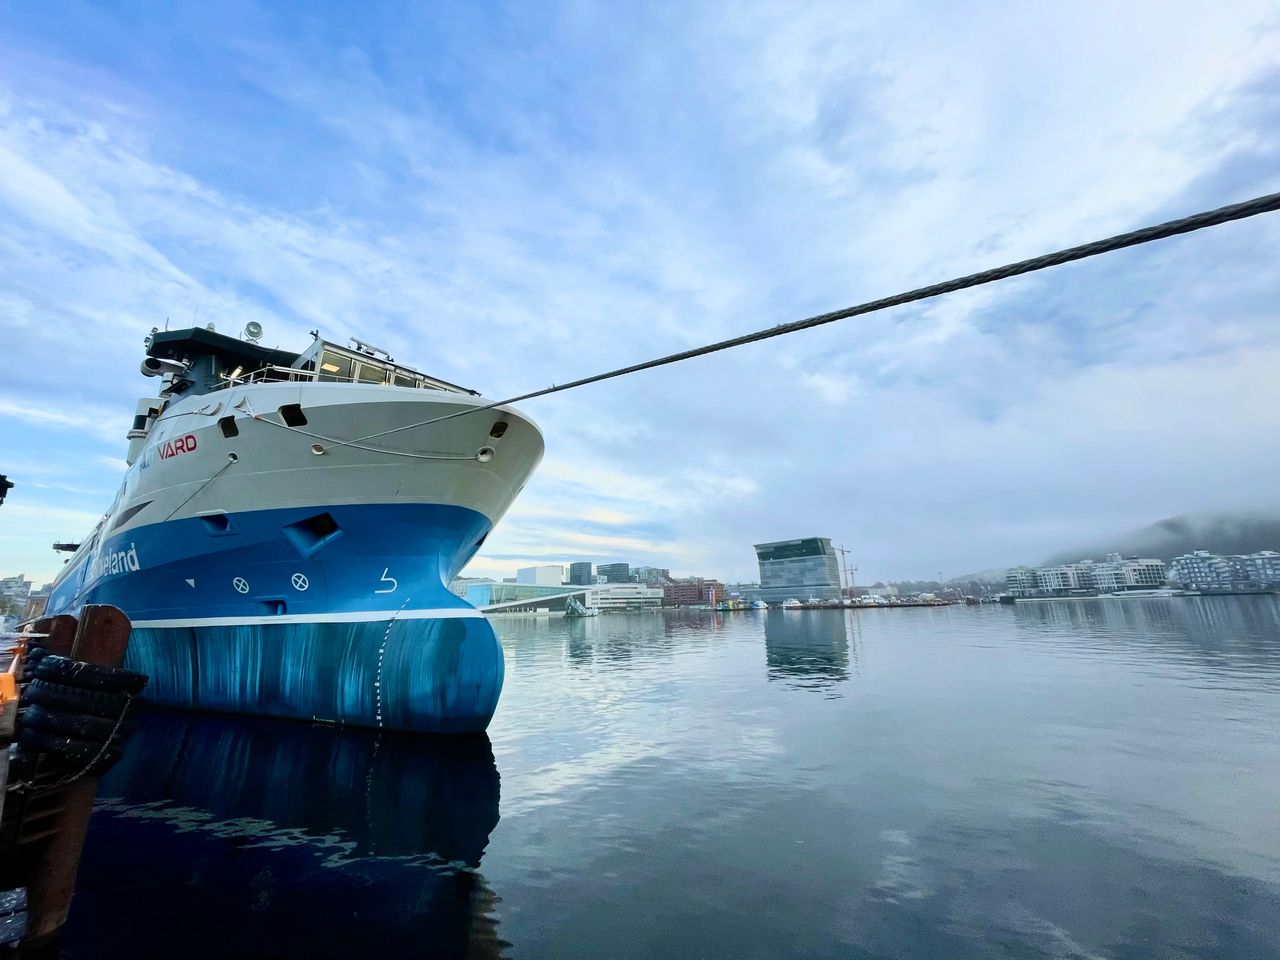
x=1059 y=780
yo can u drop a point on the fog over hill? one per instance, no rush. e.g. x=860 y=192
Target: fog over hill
x=1224 y=533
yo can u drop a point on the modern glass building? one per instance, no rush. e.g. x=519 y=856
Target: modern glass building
x=580 y=572
x=615 y=572
x=798 y=568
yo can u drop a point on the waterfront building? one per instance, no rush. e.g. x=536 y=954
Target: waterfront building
x=1211 y=572
x=882 y=591
x=1202 y=570
x=460 y=585
x=650 y=575
x=545 y=598
x=1262 y=568
x=1064 y=578
x=15 y=588
x=692 y=591
x=1021 y=582
x=1117 y=574
x=580 y=572
x=625 y=596
x=546 y=575
x=614 y=572
x=14 y=592
x=798 y=569
x=519 y=597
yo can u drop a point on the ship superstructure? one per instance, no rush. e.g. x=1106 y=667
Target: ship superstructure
x=288 y=525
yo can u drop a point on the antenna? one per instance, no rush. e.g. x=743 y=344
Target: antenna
x=365 y=347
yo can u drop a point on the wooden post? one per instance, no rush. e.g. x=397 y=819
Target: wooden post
x=62 y=633
x=102 y=638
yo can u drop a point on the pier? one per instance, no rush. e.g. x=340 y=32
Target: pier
x=47 y=787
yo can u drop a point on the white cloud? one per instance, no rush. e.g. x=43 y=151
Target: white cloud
x=98 y=422
x=656 y=188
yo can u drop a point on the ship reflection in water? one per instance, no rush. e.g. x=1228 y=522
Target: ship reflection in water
x=809 y=649
x=226 y=837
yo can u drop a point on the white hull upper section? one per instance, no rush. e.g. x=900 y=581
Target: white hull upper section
x=276 y=465
x=190 y=467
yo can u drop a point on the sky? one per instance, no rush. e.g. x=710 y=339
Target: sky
x=514 y=195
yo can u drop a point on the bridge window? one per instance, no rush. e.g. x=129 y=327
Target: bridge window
x=372 y=374
x=334 y=366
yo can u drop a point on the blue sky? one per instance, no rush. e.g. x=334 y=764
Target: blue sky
x=516 y=195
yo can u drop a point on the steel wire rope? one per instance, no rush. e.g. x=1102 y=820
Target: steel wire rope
x=231 y=458
x=1161 y=231
x=356 y=444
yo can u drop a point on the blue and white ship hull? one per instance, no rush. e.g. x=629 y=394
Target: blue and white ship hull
x=277 y=569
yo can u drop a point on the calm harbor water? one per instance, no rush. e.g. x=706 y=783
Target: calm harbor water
x=1074 y=780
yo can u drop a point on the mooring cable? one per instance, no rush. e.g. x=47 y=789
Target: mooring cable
x=1161 y=231
x=231 y=458
x=356 y=444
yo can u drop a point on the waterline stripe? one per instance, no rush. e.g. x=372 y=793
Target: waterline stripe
x=360 y=616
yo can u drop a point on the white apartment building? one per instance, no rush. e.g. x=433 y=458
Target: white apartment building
x=1203 y=570
x=1262 y=568
x=1065 y=577
x=1117 y=574
x=624 y=596
x=1021 y=582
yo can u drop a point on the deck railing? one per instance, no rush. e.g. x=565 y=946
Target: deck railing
x=277 y=374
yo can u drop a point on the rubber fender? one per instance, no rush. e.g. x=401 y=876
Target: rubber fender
x=89 y=676
x=32 y=660
x=63 y=699
x=81 y=725
x=72 y=749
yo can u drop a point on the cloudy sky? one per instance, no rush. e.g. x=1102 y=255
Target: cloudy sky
x=515 y=195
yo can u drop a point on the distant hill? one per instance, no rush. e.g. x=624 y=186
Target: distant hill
x=1220 y=533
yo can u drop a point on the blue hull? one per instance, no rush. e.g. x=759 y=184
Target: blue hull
x=344 y=619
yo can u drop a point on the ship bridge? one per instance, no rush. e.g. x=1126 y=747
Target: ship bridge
x=201 y=360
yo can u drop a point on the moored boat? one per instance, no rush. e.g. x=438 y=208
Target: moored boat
x=287 y=527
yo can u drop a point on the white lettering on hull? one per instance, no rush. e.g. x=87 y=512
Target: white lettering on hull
x=115 y=562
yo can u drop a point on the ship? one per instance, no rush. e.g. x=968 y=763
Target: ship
x=288 y=525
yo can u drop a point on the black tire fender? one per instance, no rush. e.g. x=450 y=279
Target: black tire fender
x=89 y=676
x=72 y=749
x=63 y=699
x=81 y=725
x=30 y=661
